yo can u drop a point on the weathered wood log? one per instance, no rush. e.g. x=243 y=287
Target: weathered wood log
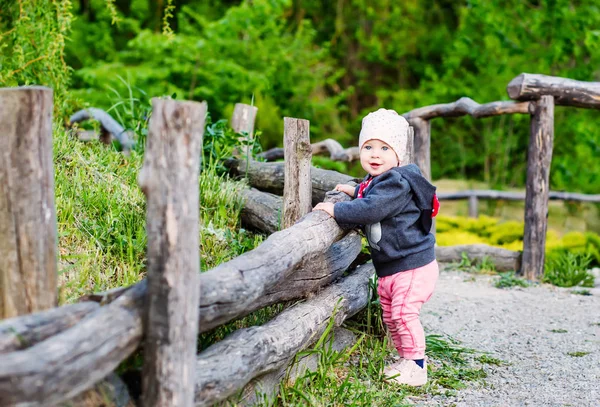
x=467 y=106
x=515 y=196
x=169 y=179
x=66 y=364
x=25 y=331
x=261 y=210
x=269 y=177
x=503 y=259
x=297 y=187
x=109 y=125
x=227 y=366
x=539 y=157
x=268 y=385
x=422 y=145
x=566 y=92
x=331 y=146
x=230 y=289
x=28 y=237
x=242 y=122
x=314 y=272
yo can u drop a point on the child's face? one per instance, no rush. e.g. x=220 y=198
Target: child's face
x=376 y=157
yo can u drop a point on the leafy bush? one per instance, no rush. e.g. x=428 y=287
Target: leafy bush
x=567 y=269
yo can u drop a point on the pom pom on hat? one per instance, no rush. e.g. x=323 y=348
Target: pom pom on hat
x=388 y=126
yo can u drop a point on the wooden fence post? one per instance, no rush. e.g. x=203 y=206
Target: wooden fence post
x=422 y=145
x=242 y=121
x=538 y=186
x=169 y=180
x=297 y=189
x=473 y=210
x=28 y=237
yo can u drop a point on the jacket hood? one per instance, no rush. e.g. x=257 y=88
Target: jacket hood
x=423 y=190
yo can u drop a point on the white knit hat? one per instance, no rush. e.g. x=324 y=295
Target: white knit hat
x=388 y=126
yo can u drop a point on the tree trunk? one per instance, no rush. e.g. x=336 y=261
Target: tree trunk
x=28 y=237
x=169 y=180
x=229 y=365
x=539 y=157
x=297 y=187
x=566 y=92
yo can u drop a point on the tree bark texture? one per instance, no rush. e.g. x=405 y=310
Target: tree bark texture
x=28 y=237
x=566 y=92
x=23 y=332
x=227 y=366
x=503 y=259
x=539 y=158
x=269 y=177
x=71 y=362
x=467 y=106
x=169 y=180
x=297 y=186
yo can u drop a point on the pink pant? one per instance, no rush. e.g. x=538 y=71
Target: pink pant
x=402 y=295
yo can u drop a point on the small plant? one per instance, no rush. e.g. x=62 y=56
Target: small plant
x=559 y=331
x=566 y=269
x=486 y=265
x=581 y=292
x=488 y=360
x=578 y=354
x=508 y=280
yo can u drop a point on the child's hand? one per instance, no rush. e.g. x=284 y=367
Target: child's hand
x=345 y=188
x=325 y=206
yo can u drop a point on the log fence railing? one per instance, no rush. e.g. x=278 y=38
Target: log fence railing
x=50 y=355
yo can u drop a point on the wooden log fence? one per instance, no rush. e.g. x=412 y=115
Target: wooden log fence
x=51 y=356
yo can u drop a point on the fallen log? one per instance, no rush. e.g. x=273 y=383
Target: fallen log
x=467 y=106
x=229 y=365
x=503 y=259
x=268 y=177
x=109 y=126
x=566 y=92
x=71 y=362
x=25 y=331
x=331 y=146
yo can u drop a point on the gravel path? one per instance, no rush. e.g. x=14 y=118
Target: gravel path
x=525 y=327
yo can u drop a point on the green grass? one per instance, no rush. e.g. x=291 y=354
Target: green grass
x=100 y=215
x=508 y=280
